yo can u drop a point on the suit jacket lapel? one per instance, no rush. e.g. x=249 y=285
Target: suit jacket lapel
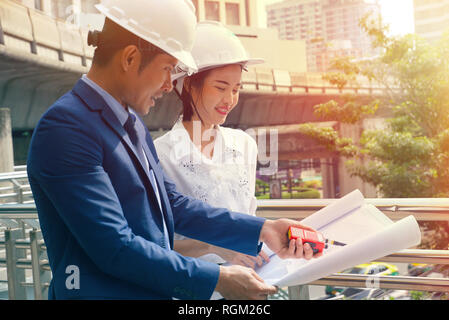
x=141 y=131
x=96 y=103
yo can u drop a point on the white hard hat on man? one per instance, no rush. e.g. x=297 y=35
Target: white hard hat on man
x=167 y=24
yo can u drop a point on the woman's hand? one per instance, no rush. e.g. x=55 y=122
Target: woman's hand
x=236 y=258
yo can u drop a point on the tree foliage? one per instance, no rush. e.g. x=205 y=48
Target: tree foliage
x=409 y=155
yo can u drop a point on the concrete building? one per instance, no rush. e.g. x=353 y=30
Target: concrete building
x=239 y=15
x=228 y=12
x=79 y=12
x=431 y=18
x=329 y=27
x=242 y=18
x=41 y=58
x=300 y=20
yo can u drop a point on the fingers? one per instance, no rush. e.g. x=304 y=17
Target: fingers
x=237 y=282
x=264 y=256
x=308 y=251
x=243 y=260
x=249 y=261
x=260 y=290
x=291 y=248
x=258 y=261
x=253 y=262
x=264 y=289
x=297 y=250
x=270 y=290
x=303 y=250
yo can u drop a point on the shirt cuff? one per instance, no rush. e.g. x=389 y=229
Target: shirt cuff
x=259 y=247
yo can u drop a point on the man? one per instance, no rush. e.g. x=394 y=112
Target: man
x=105 y=206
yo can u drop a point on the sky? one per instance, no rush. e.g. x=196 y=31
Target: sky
x=397 y=13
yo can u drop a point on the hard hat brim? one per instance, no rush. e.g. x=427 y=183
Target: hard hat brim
x=244 y=63
x=179 y=77
x=255 y=61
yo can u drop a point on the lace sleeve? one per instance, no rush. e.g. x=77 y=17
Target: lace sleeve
x=253 y=152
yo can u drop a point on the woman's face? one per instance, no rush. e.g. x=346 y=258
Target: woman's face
x=219 y=94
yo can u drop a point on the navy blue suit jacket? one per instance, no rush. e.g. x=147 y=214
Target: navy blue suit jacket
x=98 y=210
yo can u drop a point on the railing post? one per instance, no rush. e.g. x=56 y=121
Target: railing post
x=41 y=278
x=299 y=292
x=18 y=190
x=2 y=37
x=15 y=275
x=6 y=145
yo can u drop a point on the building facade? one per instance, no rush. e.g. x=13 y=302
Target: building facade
x=330 y=28
x=79 y=12
x=228 y=12
x=238 y=15
x=431 y=18
x=241 y=16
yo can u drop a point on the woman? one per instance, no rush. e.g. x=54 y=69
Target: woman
x=207 y=161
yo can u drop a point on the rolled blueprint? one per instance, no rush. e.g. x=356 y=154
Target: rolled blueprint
x=368 y=233
x=403 y=234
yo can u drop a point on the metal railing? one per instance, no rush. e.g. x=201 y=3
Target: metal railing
x=15 y=217
x=423 y=209
x=20 y=168
x=15 y=188
x=33 y=32
x=25 y=248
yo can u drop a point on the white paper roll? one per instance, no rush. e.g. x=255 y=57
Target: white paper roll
x=398 y=236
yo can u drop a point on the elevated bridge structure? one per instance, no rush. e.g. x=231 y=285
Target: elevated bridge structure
x=41 y=58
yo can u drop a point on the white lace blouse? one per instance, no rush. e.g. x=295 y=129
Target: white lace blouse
x=227 y=180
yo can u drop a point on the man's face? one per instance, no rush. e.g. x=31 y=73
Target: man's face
x=145 y=86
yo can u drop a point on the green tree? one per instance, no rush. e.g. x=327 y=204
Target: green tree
x=409 y=157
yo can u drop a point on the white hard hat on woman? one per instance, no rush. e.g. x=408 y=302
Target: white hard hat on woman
x=152 y=21
x=216 y=46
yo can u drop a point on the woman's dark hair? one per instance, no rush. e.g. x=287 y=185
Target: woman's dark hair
x=195 y=81
x=114 y=38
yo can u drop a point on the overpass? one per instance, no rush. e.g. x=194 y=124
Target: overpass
x=41 y=58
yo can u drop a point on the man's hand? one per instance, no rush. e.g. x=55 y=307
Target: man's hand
x=241 y=283
x=274 y=234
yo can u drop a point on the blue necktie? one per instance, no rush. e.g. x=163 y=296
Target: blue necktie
x=130 y=127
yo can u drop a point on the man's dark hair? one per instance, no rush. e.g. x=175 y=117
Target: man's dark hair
x=114 y=38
